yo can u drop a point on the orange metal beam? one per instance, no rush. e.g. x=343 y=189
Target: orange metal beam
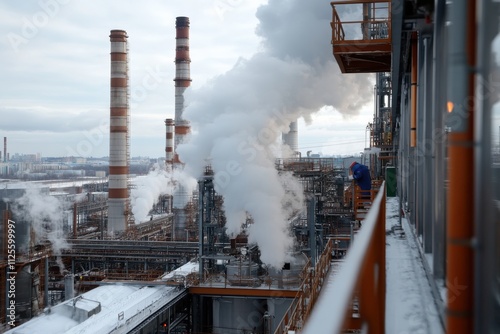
x=414 y=81
x=242 y=292
x=460 y=213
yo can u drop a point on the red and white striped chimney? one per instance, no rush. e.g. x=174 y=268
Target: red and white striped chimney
x=169 y=149
x=182 y=78
x=118 y=138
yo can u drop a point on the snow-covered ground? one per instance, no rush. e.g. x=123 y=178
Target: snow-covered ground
x=410 y=306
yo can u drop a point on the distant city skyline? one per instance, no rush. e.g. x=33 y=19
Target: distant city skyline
x=55 y=74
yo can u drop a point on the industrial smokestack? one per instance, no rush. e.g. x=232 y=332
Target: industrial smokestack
x=4 y=149
x=169 y=148
x=182 y=77
x=182 y=127
x=118 y=139
x=291 y=138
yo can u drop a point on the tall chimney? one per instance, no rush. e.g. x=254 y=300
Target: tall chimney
x=5 y=149
x=291 y=138
x=182 y=80
x=169 y=149
x=182 y=77
x=118 y=137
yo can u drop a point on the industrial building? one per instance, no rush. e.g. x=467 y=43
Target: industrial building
x=87 y=266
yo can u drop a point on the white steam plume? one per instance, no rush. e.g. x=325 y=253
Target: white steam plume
x=146 y=191
x=239 y=115
x=158 y=182
x=45 y=213
x=184 y=185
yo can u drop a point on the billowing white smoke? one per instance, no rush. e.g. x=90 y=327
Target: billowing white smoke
x=184 y=184
x=45 y=213
x=239 y=115
x=146 y=191
x=157 y=182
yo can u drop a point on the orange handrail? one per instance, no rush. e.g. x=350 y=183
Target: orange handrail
x=338 y=33
x=308 y=293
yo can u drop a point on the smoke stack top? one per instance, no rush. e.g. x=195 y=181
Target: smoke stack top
x=182 y=22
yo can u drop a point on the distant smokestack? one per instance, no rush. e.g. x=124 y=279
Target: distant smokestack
x=291 y=138
x=4 y=149
x=182 y=77
x=118 y=139
x=182 y=127
x=169 y=149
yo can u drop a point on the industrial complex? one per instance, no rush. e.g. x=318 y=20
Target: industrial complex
x=89 y=246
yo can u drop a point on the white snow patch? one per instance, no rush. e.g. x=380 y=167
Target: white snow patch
x=136 y=303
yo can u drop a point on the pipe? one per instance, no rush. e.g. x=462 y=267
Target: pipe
x=460 y=223
x=311 y=222
x=75 y=211
x=414 y=82
x=118 y=141
x=46 y=282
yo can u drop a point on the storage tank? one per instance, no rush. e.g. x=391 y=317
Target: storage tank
x=243 y=272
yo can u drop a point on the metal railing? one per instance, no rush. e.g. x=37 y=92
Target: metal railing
x=307 y=295
x=356 y=298
x=372 y=23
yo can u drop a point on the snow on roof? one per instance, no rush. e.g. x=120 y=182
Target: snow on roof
x=184 y=270
x=123 y=307
x=54 y=323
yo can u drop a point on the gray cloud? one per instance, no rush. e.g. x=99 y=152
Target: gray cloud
x=43 y=119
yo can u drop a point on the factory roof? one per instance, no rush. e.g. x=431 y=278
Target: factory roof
x=113 y=308
x=122 y=307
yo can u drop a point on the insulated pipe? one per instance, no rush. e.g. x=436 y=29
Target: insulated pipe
x=460 y=223
x=414 y=79
x=118 y=137
x=75 y=211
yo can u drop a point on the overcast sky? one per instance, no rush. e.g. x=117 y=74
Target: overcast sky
x=54 y=65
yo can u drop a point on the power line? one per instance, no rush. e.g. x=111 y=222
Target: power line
x=333 y=144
